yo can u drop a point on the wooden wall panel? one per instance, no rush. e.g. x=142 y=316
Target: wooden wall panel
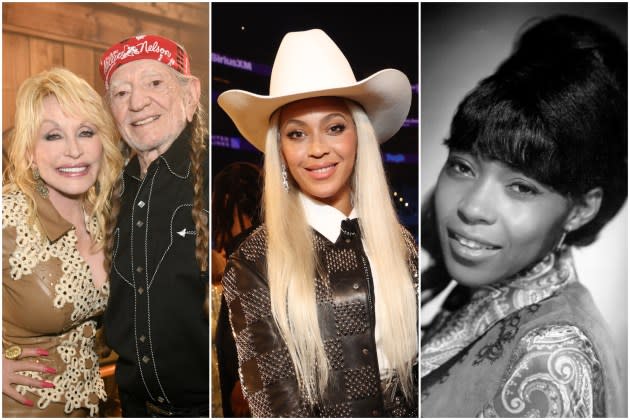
x=38 y=36
x=99 y=24
x=81 y=61
x=98 y=84
x=72 y=22
x=44 y=54
x=15 y=59
x=194 y=14
x=112 y=28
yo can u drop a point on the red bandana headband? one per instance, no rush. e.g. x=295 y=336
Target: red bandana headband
x=140 y=47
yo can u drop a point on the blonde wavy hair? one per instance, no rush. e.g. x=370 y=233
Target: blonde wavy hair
x=292 y=263
x=77 y=98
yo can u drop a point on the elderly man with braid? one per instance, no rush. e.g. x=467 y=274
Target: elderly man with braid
x=155 y=319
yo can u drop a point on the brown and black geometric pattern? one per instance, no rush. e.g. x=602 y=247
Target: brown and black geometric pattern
x=351 y=318
x=256 y=305
x=359 y=383
x=342 y=303
x=275 y=365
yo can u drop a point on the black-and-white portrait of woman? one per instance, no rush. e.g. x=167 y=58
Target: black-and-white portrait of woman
x=524 y=222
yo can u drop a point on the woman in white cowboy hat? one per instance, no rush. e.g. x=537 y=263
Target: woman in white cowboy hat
x=322 y=298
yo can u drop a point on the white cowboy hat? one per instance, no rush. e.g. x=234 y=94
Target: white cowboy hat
x=309 y=64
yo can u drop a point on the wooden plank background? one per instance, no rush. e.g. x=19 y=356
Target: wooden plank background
x=38 y=36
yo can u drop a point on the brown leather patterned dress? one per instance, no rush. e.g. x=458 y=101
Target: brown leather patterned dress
x=50 y=302
x=346 y=313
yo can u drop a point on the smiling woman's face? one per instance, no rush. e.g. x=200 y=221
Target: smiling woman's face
x=494 y=221
x=318 y=140
x=67 y=152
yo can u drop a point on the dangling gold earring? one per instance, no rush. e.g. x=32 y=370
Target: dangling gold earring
x=40 y=186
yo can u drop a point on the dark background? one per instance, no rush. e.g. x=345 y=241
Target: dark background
x=373 y=36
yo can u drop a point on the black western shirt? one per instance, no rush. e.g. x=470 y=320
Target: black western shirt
x=155 y=319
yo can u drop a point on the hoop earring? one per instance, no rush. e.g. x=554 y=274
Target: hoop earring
x=40 y=186
x=285 y=178
x=560 y=244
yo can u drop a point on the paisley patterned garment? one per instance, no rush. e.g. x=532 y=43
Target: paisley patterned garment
x=557 y=362
x=492 y=303
x=531 y=346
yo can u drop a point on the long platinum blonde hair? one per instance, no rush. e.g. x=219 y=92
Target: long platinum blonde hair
x=292 y=263
x=76 y=97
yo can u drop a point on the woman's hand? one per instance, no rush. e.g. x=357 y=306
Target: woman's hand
x=10 y=369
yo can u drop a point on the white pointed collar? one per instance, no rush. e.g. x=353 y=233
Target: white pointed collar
x=324 y=218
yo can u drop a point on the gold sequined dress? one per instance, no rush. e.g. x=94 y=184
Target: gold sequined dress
x=50 y=302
